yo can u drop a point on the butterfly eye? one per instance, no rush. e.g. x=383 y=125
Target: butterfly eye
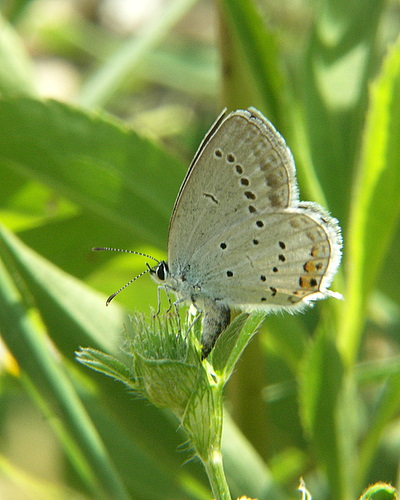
x=162 y=271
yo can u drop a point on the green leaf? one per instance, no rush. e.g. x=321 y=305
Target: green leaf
x=98 y=164
x=231 y=344
x=16 y=71
x=106 y=364
x=342 y=44
x=380 y=491
x=320 y=387
x=385 y=412
x=375 y=199
x=73 y=313
x=252 y=71
x=226 y=343
x=46 y=379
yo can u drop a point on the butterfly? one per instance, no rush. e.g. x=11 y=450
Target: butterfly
x=239 y=238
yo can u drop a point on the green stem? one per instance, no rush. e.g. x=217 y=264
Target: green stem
x=216 y=475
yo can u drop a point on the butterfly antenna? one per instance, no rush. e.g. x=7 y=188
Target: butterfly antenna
x=99 y=249
x=127 y=284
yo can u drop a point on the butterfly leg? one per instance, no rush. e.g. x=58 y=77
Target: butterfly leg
x=170 y=303
x=158 y=300
x=216 y=319
x=178 y=316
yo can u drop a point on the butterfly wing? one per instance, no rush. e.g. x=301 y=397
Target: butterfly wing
x=238 y=233
x=287 y=262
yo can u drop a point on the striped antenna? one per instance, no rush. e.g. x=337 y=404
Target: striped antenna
x=100 y=249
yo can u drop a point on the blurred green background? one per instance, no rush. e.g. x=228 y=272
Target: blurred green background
x=102 y=106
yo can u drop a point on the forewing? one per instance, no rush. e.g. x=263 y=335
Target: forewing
x=242 y=169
